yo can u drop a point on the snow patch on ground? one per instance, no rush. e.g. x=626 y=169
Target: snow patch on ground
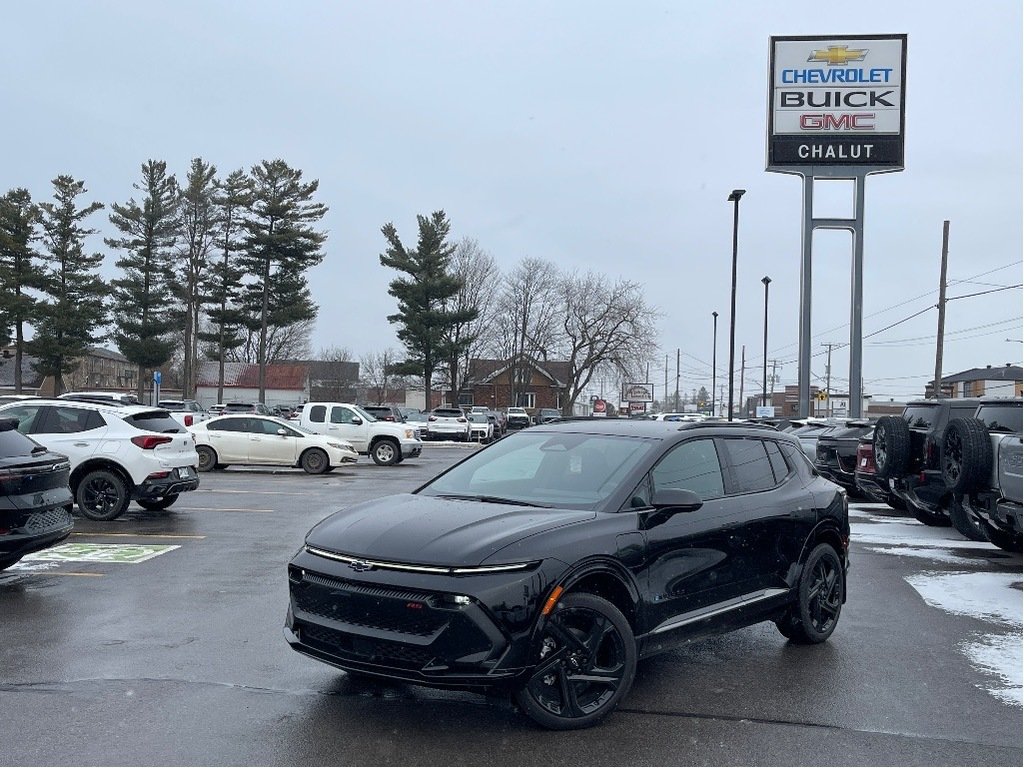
x=935 y=555
x=913 y=534
x=990 y=597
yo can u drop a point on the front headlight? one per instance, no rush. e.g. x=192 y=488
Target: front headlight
x=410 y=434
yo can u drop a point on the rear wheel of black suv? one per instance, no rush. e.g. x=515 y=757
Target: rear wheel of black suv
x=892 y=446
x=819 y=601
x=586 y=663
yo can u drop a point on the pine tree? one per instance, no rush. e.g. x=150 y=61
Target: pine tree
x=19 y=269
x=199 y=234
x=423 y=318
x=280 y=246
x=143 y=300
x=223 y=283
x=72 y=316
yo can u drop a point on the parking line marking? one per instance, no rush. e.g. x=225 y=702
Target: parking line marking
x=221 y=509
x=256 y=493
x=140 y=535
x=74 y=573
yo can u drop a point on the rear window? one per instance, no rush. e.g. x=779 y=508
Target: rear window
x=919 y=416
x=1002 y=417
x=447 y=412
x=13 y=443
x=154 y=421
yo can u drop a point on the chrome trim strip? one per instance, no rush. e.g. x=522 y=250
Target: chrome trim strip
x=439 y=569
x=706 y=613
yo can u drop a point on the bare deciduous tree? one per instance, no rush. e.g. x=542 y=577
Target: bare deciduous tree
x=284 y=342
x=480 y=279
x=376 y=374
x=528 y=308
x=603 y=326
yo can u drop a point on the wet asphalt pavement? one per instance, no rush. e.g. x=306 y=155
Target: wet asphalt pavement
x=179 y=659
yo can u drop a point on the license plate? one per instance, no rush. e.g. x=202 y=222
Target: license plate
x=185 y=472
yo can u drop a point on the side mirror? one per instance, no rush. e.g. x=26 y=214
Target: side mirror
x=282 y=432
x=356 y=420
x=668 y=502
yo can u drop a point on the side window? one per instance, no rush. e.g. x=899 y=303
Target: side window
x=340 y=415
x=778 y=461
x=318 y=413
x=692 y=465
x=67 y=421
x=27 y=416
x=231 y=425
x=750 y=465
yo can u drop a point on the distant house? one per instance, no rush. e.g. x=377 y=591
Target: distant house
x=287 y=383
x=490 y=383
x=98 y=369
x=31 y=382
x=999 y=381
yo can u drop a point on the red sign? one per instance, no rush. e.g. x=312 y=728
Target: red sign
x=600 y=406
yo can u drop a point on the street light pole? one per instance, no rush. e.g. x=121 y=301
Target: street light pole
x=734 y=198
x=714 y=359
x=764 y=381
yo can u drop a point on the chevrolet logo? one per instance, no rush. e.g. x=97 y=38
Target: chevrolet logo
x=359 y=566
x=839 y=55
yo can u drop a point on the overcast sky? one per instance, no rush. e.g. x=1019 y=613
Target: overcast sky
x=599 y=136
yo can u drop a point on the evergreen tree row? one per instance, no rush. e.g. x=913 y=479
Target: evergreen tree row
x=200 y=266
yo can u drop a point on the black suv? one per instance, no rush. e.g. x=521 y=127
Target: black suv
x=907 y=455
x=548 y=563
x=385 y=412
x=35 y=501
x=836 y=453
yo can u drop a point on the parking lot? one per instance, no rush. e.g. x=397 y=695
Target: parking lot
x=156 y=639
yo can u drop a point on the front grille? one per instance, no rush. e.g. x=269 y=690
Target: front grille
x=364 y=649
x=44 y=522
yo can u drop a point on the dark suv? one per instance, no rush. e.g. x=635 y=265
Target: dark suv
x=385 y=412
x=907 y=455
x=836 y=453
x=35 y=501
x=549 y=562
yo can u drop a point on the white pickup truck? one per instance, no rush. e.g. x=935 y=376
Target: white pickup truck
x=185 y=412
x=385 y=442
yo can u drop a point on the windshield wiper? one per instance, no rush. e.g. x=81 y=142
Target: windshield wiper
x=490 y=499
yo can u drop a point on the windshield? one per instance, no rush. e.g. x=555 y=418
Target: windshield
x=1001 y=417
x=578 y=471
x=366 y=415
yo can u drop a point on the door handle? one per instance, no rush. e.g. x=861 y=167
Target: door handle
x=81 y=445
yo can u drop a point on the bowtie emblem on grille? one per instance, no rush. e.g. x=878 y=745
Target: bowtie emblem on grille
x=359 y=566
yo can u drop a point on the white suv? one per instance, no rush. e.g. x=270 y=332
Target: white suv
x=117 y=452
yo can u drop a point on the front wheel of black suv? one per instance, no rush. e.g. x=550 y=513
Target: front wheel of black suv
x=586 y=663
x=819 y=601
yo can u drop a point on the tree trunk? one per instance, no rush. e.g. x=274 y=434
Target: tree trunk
x=19 y=342
x=138 y=388
x=262 y=358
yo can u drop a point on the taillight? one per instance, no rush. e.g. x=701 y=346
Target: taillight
x=188 y=419
x=149 y=442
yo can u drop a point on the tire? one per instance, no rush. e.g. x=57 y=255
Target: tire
x=102 y=495
x=314 y=462
x=934 y=519
x=965 y=523
x=155 y=505
x=892 y=446
x=966 y=455
x=584 y=637
x=1009 y=542
x=385 y=453
x=207 y=458
x=819 y=599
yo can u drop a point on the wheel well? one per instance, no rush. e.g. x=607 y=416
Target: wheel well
x=611 y=589
x=830 y=537
x=379 y=438
x=88 y=466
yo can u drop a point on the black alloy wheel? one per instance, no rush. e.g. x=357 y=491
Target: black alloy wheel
x=314 y=462
x=102 y=495
x=207 y=458
x=820 y=599
x=586 y=663
x=155 y=505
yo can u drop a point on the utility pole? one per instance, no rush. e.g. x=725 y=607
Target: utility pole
x=664 y=404
x=828 y=378
x=677 y=380
x=942 y=310
x=743 y=371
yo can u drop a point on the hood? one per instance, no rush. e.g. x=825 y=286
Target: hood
x=427 y=530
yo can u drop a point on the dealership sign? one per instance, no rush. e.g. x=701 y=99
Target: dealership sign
x=643 y=393
x=836 y=101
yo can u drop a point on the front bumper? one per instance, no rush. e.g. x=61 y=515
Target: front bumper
x=418 y=628
x=411 y=449
x=38 y=528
